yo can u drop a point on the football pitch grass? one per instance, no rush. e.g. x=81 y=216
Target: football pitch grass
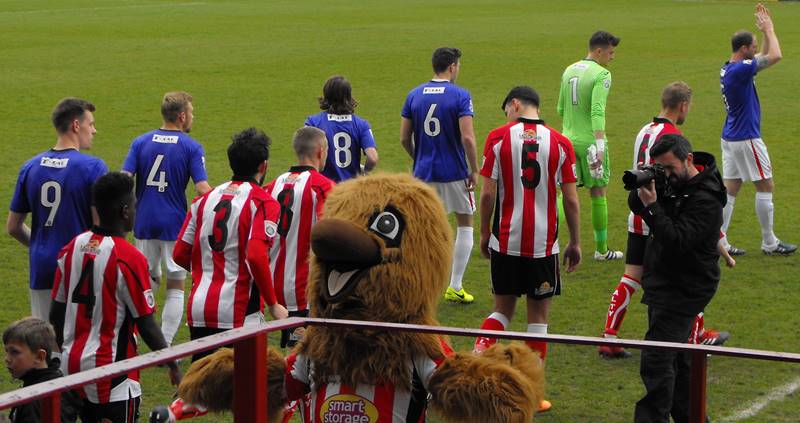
x=263 y=64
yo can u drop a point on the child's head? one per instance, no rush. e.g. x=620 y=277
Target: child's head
x=28 y=343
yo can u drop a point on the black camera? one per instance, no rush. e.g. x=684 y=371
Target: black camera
x=637 y=178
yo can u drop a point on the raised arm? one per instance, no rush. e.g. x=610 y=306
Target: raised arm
x=770 y=47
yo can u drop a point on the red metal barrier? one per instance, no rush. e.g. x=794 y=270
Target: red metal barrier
x=250 y=362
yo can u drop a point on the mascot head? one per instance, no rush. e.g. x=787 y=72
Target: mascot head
x=382 y=253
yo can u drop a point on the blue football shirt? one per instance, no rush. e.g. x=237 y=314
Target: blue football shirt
x=56 y=188
x=163 y=161
x=347 y=136
x=741 y=100
x=434 y=109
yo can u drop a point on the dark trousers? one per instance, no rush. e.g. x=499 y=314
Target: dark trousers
x=126 y=411
x=201 y=332
x=665 y=374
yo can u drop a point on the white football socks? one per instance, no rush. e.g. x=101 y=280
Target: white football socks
x=461 y=253
x=727 y=212
x=171 y=316
x=765 y=212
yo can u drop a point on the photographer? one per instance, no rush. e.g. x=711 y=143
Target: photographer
x=681 y=269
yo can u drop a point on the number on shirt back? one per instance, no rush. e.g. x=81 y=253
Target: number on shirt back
x=219 y=234
x=531 y=171
x=51 y=198
x=573 y=82
x=432 y=125
x=285 y=199
x=84 y=290
x=342 y=154
x=161 y=183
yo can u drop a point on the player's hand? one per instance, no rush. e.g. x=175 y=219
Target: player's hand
x=472 y=181
x=572 y=257
x=175 y=375
x=647 y=193
x=278 y=311
x=730 y=261
x=485 y=246
x=763 y=18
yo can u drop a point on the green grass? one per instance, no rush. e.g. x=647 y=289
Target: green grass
x=264 y=63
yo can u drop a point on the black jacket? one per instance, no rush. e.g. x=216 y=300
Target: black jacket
x=31 y=412
x=681 y=263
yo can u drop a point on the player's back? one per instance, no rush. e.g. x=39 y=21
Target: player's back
x=55 y=187
x=163 y=161
x=102 y=280
x=528 y=160
x=347 y=136
x=647 y=136
x=301 y=193
x=434 y=109
x=743 y=119
x=575 y=98
x=223 y=292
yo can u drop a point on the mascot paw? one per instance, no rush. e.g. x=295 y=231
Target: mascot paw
x=503 y=385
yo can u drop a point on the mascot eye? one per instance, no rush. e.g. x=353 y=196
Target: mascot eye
x=389 y=225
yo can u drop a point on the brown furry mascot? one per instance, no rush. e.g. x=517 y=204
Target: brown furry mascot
x=382 y=253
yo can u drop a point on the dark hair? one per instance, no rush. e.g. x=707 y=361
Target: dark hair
x=247 y=151
x=443 y=57
x=602 y=39
x=677 y=144
x=337 y=96
x=674 y=94
x=110 y=193
x=35 y=333
x=173 y=104
x=524 y=94
x=67 y=110
x=741 y=38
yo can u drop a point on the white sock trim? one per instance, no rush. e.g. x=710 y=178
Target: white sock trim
x=540 y=328
x=500 y=317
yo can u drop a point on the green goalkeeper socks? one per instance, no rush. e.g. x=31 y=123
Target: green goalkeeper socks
x=600 y=223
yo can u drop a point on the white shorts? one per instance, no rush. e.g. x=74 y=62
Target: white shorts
x=157 y=251
x=746 y=160
x=455 y=196
x=40 y=303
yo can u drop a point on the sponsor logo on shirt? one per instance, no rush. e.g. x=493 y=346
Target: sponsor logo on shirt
x=580 y=66
x=747 y=61
x=149 y=298
x=544 y=288
x=340 y=118
x=232 y=189
x=530 y=135
x=348 y=409
x=91 y=247
x=470 y=106
x=54 y=162
x=271 y=228
x=607 y=84
x=433 y=90
x=574 y=171
x=291 y=178
x=165 y=139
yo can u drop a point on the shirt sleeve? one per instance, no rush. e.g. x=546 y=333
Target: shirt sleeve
x=465 y=105
x=490 y=166
x=297 y=379
x=135 y=290
x=132 y=160
x=100 y=169
x=745 y=70
x=365 y=134
x=19 y=202
x=406 y=113
x=198 y=164
x=602 y=85
x=59 y=292
x=567 y=171
x=309 y=121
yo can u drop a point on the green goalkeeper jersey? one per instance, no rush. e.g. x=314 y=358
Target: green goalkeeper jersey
x=582 y=100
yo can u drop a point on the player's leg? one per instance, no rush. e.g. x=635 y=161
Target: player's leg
x=151 y=249
x=629 y=283
x=701 y=335
x=173 y=303
x=544 y=281
x=760 y=172
x=40 y=303
x=598 y=191
x=732 y=178
x=457 y=199
x=502 y=273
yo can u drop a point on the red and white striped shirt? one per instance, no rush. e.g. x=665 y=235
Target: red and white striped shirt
x=649 y=134
x=219 y=228
x=384 y=403
x=528 y=160
x=104 y=282
x=301 y=193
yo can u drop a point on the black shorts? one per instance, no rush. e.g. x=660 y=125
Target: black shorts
x=202 y=332
x=126 y=411
x=634 y=255
x=537 y=278
x=289 y=338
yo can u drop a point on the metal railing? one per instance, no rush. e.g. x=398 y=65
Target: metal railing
x=250 y=370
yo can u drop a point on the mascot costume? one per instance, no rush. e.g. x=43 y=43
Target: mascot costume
x=382 y=253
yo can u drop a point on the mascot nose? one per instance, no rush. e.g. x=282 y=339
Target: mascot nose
x=339 y=241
